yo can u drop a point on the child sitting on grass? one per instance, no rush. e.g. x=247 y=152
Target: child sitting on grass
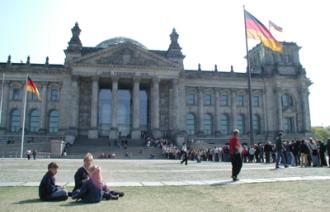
x=48 y=191
x=95 y=176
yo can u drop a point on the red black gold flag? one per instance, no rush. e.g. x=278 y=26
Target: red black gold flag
x=31 y=87
x=256 y=30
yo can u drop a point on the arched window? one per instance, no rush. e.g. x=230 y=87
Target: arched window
x=224 y=124
x=240 y=123
x=15 y=120
x=256 y=124
x=53 y=121
x=34 y=121
x=287 y=101
x=207 y=124
x=190 y=124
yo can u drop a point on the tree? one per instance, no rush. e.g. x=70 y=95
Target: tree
x=321 y=133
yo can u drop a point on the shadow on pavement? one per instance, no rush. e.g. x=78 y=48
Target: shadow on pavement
x=28 y=201
x=223 y=183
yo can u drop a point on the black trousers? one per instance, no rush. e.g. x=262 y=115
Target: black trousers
x=267 y=157
x=236 y=162
x=184 y=158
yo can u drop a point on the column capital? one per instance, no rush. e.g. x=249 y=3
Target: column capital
x=114 y=78
x=278 y=90
x=136 y=78
x=75 y=78
x=175 y=81
x=155 y=79
x=95 y=78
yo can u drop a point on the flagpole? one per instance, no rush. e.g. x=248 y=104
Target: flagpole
x=24 y=112
x=2 y=87
x=249 y=83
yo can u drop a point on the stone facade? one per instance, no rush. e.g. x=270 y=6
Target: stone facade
x=180 y=103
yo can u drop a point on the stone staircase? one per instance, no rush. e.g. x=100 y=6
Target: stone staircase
x=14 y=149
x=99 y=147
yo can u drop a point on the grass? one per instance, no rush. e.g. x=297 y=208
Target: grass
x=283 y=196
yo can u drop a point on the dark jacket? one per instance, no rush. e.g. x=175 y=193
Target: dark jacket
x=80 y=175
x=304 y=148
x=47 y=186
x=279 y=144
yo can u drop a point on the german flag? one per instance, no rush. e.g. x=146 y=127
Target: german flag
x=31 y=87
x=256 y=30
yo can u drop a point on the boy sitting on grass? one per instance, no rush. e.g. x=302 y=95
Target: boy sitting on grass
x=48 y=191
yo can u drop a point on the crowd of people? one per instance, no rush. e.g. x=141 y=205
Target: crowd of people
x=304 y=153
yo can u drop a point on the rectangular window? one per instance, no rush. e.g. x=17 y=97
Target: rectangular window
x=16 y=95
x=54 y=94
x=34 y=97
x=240 y=100
x=207 y=100
x=288 y=125
x=256 y=101
x=224 y=100
x=191 y=99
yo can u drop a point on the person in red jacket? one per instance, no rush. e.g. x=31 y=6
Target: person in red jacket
x=235 y=150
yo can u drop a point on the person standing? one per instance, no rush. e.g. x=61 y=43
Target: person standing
x=235 y=150
x=268 y=151
x=304 y=151
x=323 y=149
x=328 y=149
x=279 y=148
x=28 y=154
x=184 y=152
x=34 y=154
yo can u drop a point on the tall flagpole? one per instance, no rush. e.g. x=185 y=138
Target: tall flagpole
x=2 y=87
x=249 y=83
x=24 y=112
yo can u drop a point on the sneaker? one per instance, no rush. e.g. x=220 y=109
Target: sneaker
x=118 y=193
x=235 y=179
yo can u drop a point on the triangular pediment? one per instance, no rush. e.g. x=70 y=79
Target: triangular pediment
x=126 y=55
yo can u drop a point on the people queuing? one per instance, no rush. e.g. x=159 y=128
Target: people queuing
x=303 y=153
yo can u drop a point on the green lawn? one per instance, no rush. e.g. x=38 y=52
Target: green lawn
x=285 y=196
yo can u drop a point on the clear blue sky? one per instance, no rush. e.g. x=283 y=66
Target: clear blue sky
x=211 y=32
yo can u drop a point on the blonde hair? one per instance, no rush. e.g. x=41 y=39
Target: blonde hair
x=89 y=157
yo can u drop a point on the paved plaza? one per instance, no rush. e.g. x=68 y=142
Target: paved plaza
x=17 y=172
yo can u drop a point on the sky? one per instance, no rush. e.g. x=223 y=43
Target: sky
x=211 y=32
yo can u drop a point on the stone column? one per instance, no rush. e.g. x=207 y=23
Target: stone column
x=181 y=112
x=136 y=131
x=43 y=109
x=279 y=109
x=175 y=106
x=200 y=112
x=305 y=110
x=155 y=108
x=5 y=112
x=114 y=93
x=233 y=110
x=217 y=112
x=93 y=132
x=75 y=104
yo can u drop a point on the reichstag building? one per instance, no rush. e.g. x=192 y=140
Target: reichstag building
x=121 y=88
